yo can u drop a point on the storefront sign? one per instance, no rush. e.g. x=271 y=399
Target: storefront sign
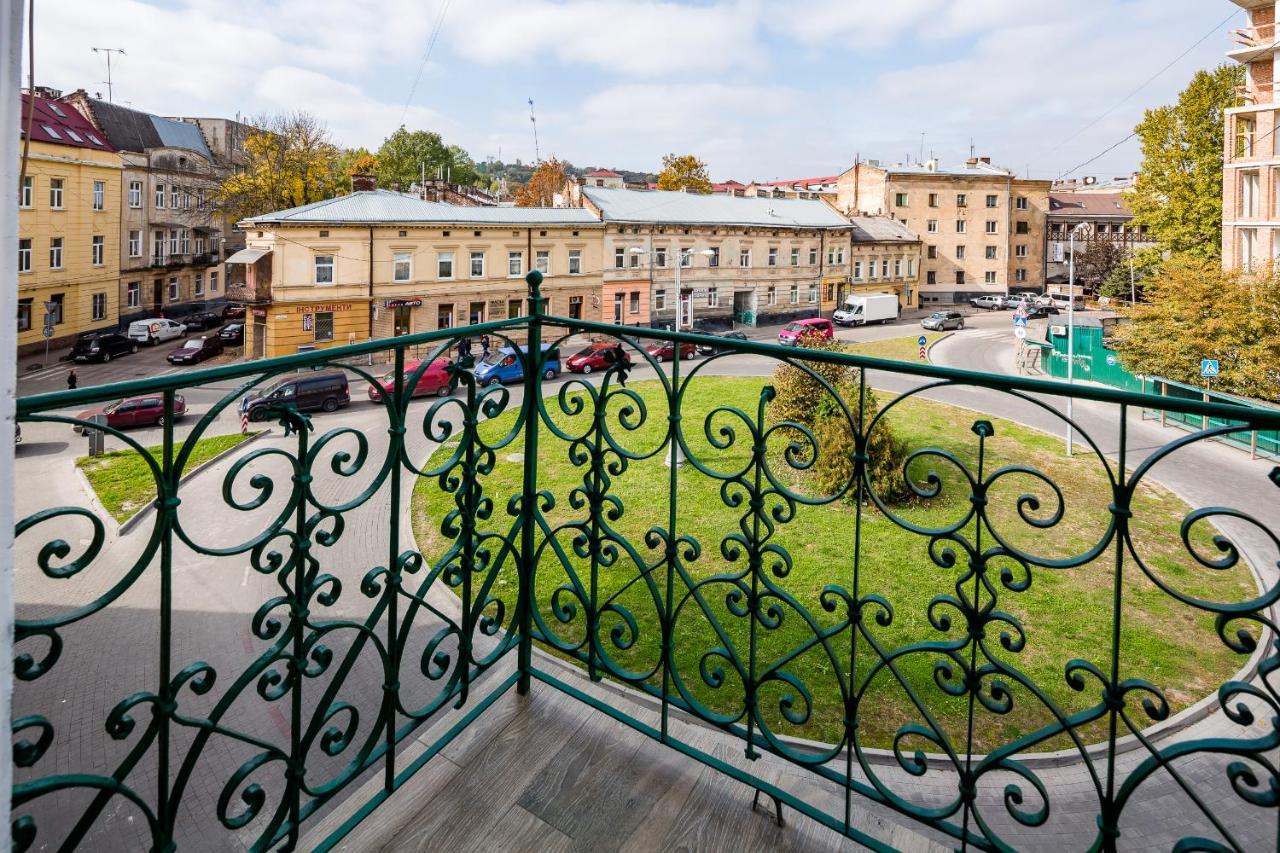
x=337 y=306
x=402 y=303
x=260 y=312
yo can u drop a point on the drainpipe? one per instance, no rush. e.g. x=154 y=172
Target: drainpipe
x=822 y=265
x=370 y=282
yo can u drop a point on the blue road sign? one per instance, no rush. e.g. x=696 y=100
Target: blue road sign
x=1019 y=320
x=922 y=340
x=1209 y=368
x=1111 y=360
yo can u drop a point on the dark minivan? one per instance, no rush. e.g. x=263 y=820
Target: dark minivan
x=102 y=346
x=307 y=392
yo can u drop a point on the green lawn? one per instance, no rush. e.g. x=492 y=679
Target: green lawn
x=1066 y=613
x=898 y=349
x=123 y=479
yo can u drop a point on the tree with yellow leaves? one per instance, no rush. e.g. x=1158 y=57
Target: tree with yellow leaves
x=547 y=180
x=684 y=172
x=291 y=162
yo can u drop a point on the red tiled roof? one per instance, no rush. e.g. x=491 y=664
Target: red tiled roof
x=603 y=173
x=828 y=179
x=59 y=123
x=1089 y=204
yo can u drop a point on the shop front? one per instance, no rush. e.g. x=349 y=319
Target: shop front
x=284 y=328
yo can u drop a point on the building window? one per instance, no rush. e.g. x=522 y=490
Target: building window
x=659 y=300
x=515 y=307
x=173 y=196
x=24 y=255
x=991 y=226
x=744 y=257
x=1244 y=136
x=174 y=293
x=99 y=306
x=55 y=253
x=1021 y=202
x=618 y=300
x=911 y=267
x=933 y=199
x=186 y=199
x=1020 y=275
x=660 y=256
x=795 y=257
x=713 y=297
x=713 y=260
x=199 y=245
x=962 y=200
x=989 y=277
x=992 y=201
x=477 y=264
x=931 y=252
x=795 y=294
x=900 y=199
x=401 y=266
x=324 y=269
x=542 y=261
x=1020 y=251
x=1249 y=193
x=28 y=189
x=831 y=293
x=686 y=257
x=932 y=226
x=635 y=259
x=324 y=326
x=884 y=268
x=444 y=265
x=201 y=202
x=515 y=263
x=931 y=277
x=97 y=249
x=575 y=307
x=1248 y=243
x=199 y=284
x=959 y=253
x=99 y=195
x=813 y=257
x=773 y=257
x=1022 y=228
x=897 y=268
x=871 y=268
x=813 y=293
x=991 y=253
x=575 y=262
x=619 y=258
x=57 y=315
x=773 y=295
x=961 y=226
x=184 y=241
x=960 y=277
x=133 y=294
x=857 y=269
x=213 y=281
x=159 y=195
x=634 y=307
x=55 y=193
x=173 y=241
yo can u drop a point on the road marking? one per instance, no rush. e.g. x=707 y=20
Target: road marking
x=245 y=580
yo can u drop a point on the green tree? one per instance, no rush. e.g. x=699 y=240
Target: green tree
x=1178 y=195
x=1097 y=260
x=547 y=180
x=1196 y=310
x=684 y=172
x=405 y=155
x=290 y=162
x=1117 y=284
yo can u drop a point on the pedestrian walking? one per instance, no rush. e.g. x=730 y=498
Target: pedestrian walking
x=72 y=380
x=484 y=347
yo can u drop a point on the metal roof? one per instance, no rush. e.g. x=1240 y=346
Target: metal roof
x=383 y=206
x=179 y=134
x=134 y=130
x=1088 y=204
x=248 y=256
x=881 y=229
x=681 y=208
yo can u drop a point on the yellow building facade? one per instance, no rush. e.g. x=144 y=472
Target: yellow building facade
x=68 y=229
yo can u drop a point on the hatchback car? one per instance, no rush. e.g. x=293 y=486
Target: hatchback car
x=156 y=330
x=941 y=320
x=232 y=334
x=432 y=381
x=101 y=346
x=712 y=349
x=666 y=350
x=202 y=320
x=1036 y=309
x=503 y=366
x=196 y=350
x=233 y=312
x=133 y=412
x=792 y=332
x=990 y=302
x=307 y=392
x=598 y=356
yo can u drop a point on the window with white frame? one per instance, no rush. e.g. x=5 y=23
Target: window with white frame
x=932 y=226
x=213 y=281
x=911 y=267
x=962 y=200
x=839 y=255
x=575 y=262
x=897 y=267
x=933 y=199
x=686 y=257
x=634 y=302
x=24 y=255
x=173 y=196
x=324 y=269
x=813 y=293
x=199 y=244
x=1021 y=202
x=28 y=190
x=1248 y=246
x=55 y=253
x=97 y=250
x=55 y=193
x=1020 y=251
x=884 y=268
x=186 y=199
x=542 y=261
x=157 y=247
x=619 y=258
x=871 y=268
x=173 y=241
x=900 y=199
x=961 y=226
x=989 y=277
x=660 y=256
x=744 y=257
x=99 y=195
x=1249 y=194
x=795 y=294
x=795 y=257
x=635 y=259
x=659 y=300
x=184 y=242
x=857 y=269
x=402 y=266
x=959 y=253
x=773 y=257
x=515 y=263
x=991 y=226
x=133 y=294
x=477 y=264
x=174 y=292
x=713 y=297
x=444 y=265
x=199 y=284
x=159 y=195
x=200 y=199
x=772 y=295
x=99 y=306
x=713 y=260
x=813 y=257
x=992 y=200
x=1020 y=275
x=991 y=253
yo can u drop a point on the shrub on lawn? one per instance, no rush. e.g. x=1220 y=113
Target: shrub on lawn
x=802 y=398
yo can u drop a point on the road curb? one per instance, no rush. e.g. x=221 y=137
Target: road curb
x=928 y=351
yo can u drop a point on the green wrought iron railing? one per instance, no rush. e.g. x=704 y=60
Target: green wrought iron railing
x=269 y=633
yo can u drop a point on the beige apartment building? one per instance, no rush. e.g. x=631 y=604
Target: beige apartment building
x=1251 y=161
x=376 y=264
x=983 y=228
x=745 y=261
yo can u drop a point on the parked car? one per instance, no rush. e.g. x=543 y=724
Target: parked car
x=941 y=320
x=1018 y=300
x=232 y=334
x=134 y=411
x=155 y=330
x=792 y=332
x=666 y=350
x=990 y=302
x=1037 y=309
x=306 y=392
x=433 y=380
x=202 y=320
x=503 y=366
x=712 y=349
x=101 y=346
x=196 y=350
x=597 y=356
x=233 y=312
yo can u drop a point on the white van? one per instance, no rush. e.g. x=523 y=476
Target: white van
x=873 y=308
x=1062 y=301
x=155 y=330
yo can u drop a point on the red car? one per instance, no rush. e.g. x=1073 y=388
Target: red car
x=135 y=411
x=666 y=350
x=434 y=380
x=598 y=356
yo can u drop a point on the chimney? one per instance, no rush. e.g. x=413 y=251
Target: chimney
x=363 y=183
x=48 y=93
x=986 y=160
x=971 y=162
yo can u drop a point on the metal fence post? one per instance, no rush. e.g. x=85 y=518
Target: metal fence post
x=529 y=491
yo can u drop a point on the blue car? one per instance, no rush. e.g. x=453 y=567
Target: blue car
x=504 y=366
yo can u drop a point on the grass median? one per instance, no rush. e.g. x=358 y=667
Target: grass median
x=896 y=349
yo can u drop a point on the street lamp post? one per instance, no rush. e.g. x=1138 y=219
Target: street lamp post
x=1071 y=318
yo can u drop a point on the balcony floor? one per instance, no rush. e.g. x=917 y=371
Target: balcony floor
x=546 y=772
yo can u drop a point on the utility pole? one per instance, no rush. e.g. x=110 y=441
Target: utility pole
x=537 y=153
x=108 y=51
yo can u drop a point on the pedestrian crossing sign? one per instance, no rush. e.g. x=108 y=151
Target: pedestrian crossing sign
x=1208 y=368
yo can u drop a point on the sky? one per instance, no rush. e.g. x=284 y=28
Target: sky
x=759 y=90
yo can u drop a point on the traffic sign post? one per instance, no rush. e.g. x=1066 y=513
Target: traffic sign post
x=1209 y=368
x=1020 y=321
x=1019 y=332
x=923 y=342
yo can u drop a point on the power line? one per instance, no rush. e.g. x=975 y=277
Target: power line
x=426 y=54
x=1099 y=155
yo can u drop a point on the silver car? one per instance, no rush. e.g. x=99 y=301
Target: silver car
x=940 y=321
x=990 y=302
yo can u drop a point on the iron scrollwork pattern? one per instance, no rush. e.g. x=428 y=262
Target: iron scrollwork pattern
x=363 y=635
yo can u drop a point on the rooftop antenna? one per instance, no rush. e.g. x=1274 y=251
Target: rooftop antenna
x=108 y=51
x=537 y=154
x=973 y=152
x=921 y=160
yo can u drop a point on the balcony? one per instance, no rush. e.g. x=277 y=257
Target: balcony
x=496 y=616
x=1254 y=43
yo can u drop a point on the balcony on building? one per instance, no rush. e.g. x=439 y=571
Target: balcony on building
x=1254 y=43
